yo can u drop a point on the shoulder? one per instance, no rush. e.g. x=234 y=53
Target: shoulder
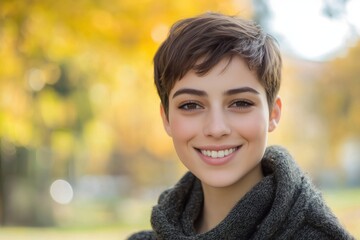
x=311 y=231
x=321 y=223
x=143 y=235
x=308 y=231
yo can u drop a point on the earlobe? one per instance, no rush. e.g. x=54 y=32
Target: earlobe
x=275 y=114
x=165 y=120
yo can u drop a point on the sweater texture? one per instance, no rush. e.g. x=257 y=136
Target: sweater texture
x=283 y=205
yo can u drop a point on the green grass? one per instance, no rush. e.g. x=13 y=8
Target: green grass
x=344 y=203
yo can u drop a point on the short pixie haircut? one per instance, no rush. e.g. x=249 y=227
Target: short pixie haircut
x=199 y=43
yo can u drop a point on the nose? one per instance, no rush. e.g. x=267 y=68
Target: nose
x=216 y=124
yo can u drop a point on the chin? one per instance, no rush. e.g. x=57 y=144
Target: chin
x=220 y=180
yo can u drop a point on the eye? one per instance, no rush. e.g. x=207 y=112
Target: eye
x=189 y=106
x=242 y=104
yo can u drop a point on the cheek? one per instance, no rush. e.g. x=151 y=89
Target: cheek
x=253 y=127
x=182 y=128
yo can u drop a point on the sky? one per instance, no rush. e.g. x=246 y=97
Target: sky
x=303 y=29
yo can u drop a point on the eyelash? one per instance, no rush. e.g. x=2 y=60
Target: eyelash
x=190 y=106
x=242 y=104
x=239 y=104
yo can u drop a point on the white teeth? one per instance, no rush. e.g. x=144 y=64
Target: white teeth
x=218 y=154
x=221 y=154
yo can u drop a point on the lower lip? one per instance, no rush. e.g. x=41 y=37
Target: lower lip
x=217 y=161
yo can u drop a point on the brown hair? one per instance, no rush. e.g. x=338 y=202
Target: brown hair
x=210 y=37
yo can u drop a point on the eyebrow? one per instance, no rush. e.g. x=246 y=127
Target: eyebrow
x=201 y=93
x=241 y=90
x=190 y=91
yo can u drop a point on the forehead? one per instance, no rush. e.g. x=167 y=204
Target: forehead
x=228 y=73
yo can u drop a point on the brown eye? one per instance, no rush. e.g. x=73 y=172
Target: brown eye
x=190 y=106
x=242 y=104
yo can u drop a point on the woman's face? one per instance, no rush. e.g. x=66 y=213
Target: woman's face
x=219 y=122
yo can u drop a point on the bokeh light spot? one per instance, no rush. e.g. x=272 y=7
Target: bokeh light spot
x=36 y=79
x=159 y=33
x=61 y=191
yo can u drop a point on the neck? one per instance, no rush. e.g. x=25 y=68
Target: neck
x=218 y=202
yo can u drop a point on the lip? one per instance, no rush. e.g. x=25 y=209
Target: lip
x=219 y=160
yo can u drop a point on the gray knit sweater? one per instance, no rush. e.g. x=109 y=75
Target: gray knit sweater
x=283 y=205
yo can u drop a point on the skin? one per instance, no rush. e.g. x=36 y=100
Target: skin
x=219 y=124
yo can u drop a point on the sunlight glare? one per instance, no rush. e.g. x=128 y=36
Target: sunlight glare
x=353 y=16
x=306 y=30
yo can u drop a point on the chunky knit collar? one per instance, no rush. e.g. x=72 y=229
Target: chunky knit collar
x=275 y=208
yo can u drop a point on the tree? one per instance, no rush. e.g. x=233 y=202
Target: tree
x=338 y=97
x=76 y=88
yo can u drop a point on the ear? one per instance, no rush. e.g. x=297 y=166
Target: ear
x=275 y=114
x=165 y=120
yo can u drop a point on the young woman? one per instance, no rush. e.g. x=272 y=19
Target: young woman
x=218 y=78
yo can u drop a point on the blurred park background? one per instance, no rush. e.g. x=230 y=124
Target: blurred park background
x=83 y=154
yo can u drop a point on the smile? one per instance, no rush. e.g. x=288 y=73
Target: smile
x=218 y=154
